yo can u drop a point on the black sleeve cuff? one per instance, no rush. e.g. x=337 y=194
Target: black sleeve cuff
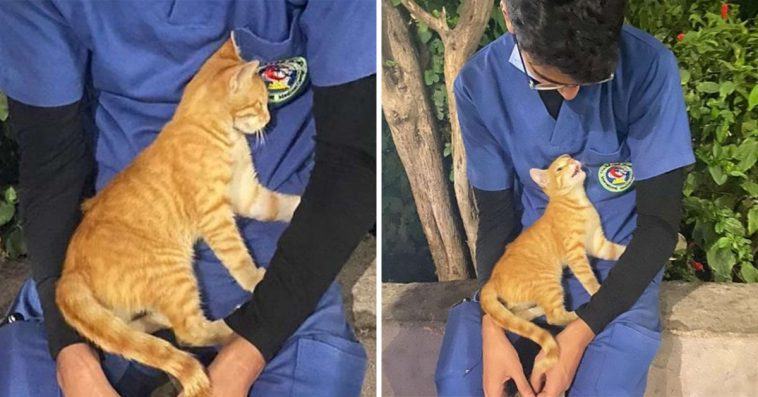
x=59 y=333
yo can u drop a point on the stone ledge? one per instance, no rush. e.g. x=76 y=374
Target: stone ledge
x=709 y=343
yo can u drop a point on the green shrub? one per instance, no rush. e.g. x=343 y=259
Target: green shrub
x=11 y=238
x=719 y=70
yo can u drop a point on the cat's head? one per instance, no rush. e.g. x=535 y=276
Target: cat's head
x=562 y=177
x=229 y=87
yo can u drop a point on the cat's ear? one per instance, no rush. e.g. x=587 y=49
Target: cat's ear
x=237 y=50
x=244 y=74
x=539 y=177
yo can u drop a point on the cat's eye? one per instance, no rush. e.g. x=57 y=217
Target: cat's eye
x=560 y=168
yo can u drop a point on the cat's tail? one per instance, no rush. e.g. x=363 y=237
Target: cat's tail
x=95 y=322
x=505 y=318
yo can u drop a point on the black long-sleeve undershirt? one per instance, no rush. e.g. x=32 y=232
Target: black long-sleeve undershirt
x=55 y=174
x=659 y=211
x=337 y=209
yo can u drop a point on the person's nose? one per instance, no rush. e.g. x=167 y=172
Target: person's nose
x=569 y=93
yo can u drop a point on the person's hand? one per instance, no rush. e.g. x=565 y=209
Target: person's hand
x=235 y=368
x=572 y=341
x=79 y=372
x=500 y=362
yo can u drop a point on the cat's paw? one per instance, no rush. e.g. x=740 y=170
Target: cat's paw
x=251 y=278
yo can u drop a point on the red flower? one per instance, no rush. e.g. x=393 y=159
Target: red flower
x=697 y=266
x=680 y=37
x=724 y=11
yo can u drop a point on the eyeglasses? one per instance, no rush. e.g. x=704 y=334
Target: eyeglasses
x=547 y=86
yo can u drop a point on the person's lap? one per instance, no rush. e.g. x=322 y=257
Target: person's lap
x=615 y=363
x=321 y=359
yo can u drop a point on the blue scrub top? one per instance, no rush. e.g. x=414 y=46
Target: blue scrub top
x=133 y=60
x=634 y=127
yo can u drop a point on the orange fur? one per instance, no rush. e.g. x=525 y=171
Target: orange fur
x=128 y=268
x=526 y=281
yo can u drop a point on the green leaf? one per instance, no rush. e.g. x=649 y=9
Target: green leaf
x=423 y=33
x=747 y=154
x=734 y=226
x=390 y=63
x=6 y=212
x=10 y=195
x=750 y=187
x=707 y=87
x=685 y=75
x=748 y=273
x=752 y=220
x=753 y=98
x=718 y=174
x=726 y=88
x=14 y=244
x=721 y=260
x=3 y=107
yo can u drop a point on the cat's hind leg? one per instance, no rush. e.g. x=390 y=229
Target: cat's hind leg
x=527 y=311
x=150 y=322
x=185 y=315
x=220 y=232
x=551 y=300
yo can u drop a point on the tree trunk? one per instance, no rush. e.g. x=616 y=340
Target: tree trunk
x=459 y=44
x=419 y=146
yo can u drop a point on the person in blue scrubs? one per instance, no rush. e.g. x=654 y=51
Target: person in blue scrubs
x=570 y=78
x=91 y=83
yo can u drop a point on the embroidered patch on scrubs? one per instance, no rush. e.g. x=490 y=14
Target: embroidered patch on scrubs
x=616 y=177
x=285 y=79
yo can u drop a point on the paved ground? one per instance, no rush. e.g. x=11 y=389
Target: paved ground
x=358 y=279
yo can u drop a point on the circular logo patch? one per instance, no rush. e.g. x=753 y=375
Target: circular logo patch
x=285 y=79
x=616 y=177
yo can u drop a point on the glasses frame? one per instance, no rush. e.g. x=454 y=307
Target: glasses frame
x=552 y=86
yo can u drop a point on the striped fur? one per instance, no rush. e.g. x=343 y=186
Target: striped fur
x=128 y=268
x=526 y=281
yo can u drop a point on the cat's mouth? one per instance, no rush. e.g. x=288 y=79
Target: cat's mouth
x=576 y=171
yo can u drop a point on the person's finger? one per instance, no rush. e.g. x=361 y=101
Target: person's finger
x=494 y=387
x=537 y=379
x=523 y=385
x=550 y=388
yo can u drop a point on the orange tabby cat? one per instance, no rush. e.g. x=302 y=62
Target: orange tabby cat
x=526 y=281
x=128 y=268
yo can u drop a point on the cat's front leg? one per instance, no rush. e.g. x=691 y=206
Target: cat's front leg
x=602 y=248
x=580 y=266
x=253 y=200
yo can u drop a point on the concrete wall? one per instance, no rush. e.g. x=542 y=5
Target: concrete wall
x=710 y=339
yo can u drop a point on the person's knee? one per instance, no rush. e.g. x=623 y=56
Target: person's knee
x=617 y=363
x=459 y=366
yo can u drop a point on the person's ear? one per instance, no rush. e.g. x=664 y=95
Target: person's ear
x=506 y=15
x=539 y=177
x=245 y=73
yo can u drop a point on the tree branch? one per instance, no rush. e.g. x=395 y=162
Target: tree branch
x=438 y=24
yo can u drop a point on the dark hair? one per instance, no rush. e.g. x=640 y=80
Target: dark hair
x=577 y=37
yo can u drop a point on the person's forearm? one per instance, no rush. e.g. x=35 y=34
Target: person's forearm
x=498 y=226
x=659 y=211
x=337 y=209
x=55 y=170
